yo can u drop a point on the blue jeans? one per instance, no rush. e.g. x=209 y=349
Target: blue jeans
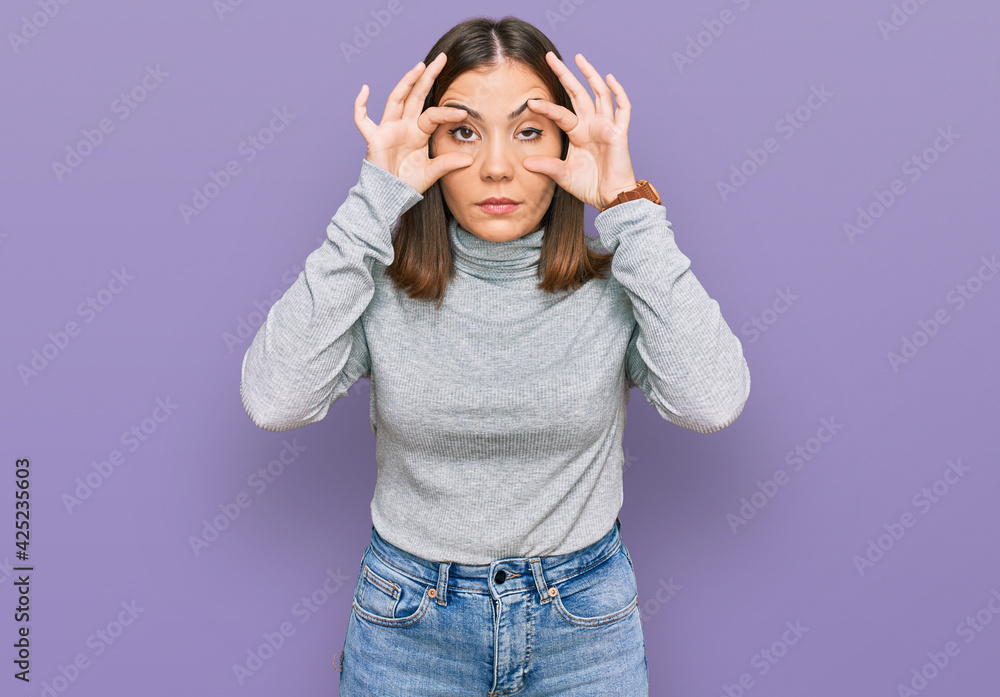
x=565 y=624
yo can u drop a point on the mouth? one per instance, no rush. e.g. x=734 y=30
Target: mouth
x=497 y=205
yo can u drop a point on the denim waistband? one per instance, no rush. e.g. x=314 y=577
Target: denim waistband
x=502 y=575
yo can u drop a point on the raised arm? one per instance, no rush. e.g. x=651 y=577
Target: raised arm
x=682 y=354
x=312 y=348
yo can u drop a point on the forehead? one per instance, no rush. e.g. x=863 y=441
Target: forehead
x=502 y=86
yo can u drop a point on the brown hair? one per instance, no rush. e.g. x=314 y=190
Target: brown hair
x=422 y=264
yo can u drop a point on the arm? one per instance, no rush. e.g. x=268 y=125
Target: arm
x=312 y=348
x=682 y=354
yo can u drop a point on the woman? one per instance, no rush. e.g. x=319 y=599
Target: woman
x=501 y=352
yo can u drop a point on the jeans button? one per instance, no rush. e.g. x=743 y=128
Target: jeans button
x=500 y=576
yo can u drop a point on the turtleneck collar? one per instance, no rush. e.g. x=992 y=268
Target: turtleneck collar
x=517 y=258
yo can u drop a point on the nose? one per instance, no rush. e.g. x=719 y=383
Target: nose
x=498 y=160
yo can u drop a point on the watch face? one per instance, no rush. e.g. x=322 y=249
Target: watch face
x=653 y=191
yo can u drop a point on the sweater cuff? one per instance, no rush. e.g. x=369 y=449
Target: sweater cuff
x=386 y=195
x=640 y=213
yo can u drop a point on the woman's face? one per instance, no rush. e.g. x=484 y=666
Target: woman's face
x=499 y=144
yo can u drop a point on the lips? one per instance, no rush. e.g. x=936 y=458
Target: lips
x=497 y=205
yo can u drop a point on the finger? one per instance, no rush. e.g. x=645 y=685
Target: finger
x=361 y=120
x=582 y=104
x=394 y=104
x=449 y=162
x=560 y=115
x=415 y=99
x=605 y=105
x=552 y=167
x=429 y=120
x=624 y=112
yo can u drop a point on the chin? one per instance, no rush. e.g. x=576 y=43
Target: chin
x=498 y=230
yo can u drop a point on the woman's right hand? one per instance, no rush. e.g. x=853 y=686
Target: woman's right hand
x=399 y=144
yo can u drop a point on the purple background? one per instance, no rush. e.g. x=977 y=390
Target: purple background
x=825 y=356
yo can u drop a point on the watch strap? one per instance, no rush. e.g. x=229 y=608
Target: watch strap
x=643 y=189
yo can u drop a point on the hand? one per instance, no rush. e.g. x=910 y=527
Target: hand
x=399 y=143
x=597 y=166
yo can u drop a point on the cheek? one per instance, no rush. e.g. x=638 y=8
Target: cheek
x=452 y=184
x=436 y=141
x=554 y=146
x=538 y=194
x=441 y=141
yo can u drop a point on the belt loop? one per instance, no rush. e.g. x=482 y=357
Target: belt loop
x=536 y=571
x=442 y=587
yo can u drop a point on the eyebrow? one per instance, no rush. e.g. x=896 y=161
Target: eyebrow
x=478 y=117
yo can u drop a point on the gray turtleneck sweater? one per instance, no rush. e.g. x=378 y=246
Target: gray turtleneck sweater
x=498 y=418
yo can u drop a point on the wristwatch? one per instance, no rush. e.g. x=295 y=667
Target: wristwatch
x=643 y=189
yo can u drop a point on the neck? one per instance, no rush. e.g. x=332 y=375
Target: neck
x=517 y=258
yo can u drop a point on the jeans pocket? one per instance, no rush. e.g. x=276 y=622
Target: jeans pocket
x=386 y=596
x=600 y=596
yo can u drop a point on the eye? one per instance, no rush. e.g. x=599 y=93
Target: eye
x=460 y=128
x=536 y=134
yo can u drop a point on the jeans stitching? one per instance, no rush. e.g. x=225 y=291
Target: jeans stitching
x=385 y=585
x=527 y=657
x=603 y=619
x=425 y=603
x=596 y=621
x=574 y=574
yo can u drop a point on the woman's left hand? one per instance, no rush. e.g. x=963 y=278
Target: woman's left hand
x=597 y=166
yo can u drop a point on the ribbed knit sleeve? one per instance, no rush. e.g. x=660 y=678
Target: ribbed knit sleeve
x=312 y=347
x=682 y=354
